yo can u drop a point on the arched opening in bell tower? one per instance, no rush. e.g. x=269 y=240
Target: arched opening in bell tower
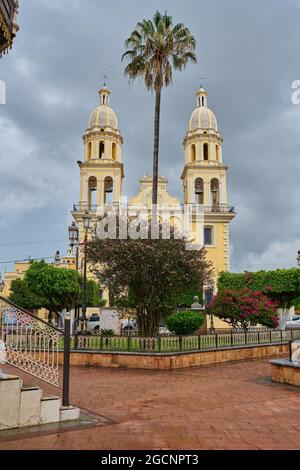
x=101 y=149
x=217 y=154
x=114 y=151
x=205 y=152
x=199 y=191
x=215 y=192
x=89 y=152
x=108 y=190
x=92 y=194
x=193 y=153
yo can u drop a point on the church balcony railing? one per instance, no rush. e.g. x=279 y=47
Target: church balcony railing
x=94 y=208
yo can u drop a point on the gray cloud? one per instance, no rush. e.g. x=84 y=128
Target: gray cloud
x=249 y=51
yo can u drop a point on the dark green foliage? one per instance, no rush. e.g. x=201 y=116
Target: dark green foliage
x=184 y=323
x=23 y=297
x=281 y=285
x=107 y=332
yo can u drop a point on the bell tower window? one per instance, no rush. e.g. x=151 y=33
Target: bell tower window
x=89 y=153
x=92 y=193
x=217 y=153
x=114 y=151
x=108 y=190
x=215 y=192
x=205 y=152
x=193 y=153
x=101 y=149
x=199 y=191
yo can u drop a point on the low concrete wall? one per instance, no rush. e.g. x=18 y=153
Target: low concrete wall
x=286 y=372
x=175 y=360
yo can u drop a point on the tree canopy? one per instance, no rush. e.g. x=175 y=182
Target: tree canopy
x=53 y=288
x=281 y=285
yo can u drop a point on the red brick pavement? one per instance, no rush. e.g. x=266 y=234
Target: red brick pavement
x=231 y=406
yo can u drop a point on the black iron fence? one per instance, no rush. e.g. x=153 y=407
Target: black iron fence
x=168 y=344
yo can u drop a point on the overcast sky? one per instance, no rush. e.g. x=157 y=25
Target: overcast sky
x=249 y=52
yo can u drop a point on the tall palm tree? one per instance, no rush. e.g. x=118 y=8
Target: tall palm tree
x=153 y=48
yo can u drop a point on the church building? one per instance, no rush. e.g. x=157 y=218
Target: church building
x=203 y=178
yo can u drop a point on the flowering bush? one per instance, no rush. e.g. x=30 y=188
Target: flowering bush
x=242 y=308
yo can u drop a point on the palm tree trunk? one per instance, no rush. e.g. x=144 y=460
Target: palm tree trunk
x=156 y=150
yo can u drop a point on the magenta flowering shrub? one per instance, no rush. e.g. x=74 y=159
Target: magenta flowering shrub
x=243 y=308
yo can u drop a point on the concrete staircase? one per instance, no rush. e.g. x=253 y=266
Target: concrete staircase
x=22 y=406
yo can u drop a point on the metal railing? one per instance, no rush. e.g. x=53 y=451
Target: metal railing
x=33 y=346
x=219 y=208
x=167 y=344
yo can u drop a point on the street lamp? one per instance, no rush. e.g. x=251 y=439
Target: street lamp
x=298 y=259
x=2 y=284
x=74 y=241
x=86 y=225
x=57 y=259
x=74 y=238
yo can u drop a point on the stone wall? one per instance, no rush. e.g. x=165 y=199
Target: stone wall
x=176 y=360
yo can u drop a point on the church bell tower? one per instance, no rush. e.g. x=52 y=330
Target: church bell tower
x=101 y=172
x=205 y=181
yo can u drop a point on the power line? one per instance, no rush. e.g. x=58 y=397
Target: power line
x=32 y=243
x=24 y=260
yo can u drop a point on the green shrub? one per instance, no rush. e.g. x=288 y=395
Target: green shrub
x=185 y=323
x=107 y=332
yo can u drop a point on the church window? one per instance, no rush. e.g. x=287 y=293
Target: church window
x=217 y=153
x=114 y=151
x=108 y=190
x=202 y=101
x=89 y=150
x=215 y=192
x=92 y=194
x=101 y=149
x=199 y=191
x=205 y=152
x=193 y=153
x=208 y=236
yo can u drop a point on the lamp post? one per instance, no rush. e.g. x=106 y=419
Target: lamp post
x=74 y=239
x=57 y=259
x=298 y=259
x=2 y=284
x=86 y=225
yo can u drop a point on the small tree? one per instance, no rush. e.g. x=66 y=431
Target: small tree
x=184 y=323
x=242 y=308
x=147 y=274
x=21 y=295
x=59 y=287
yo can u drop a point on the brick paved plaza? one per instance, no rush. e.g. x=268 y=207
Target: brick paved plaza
x=231 y=406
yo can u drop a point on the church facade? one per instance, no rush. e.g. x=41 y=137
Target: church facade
x=204 y=183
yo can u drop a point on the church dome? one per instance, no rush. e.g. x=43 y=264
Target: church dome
x=202 y=117
x=103 y=115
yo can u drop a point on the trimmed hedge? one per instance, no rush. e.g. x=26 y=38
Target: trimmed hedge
x=184 y=323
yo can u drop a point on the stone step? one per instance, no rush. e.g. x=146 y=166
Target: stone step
x=24 y=405
x=30 y=406
x=50 y=410
x=69 y=413
x=10 y=391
